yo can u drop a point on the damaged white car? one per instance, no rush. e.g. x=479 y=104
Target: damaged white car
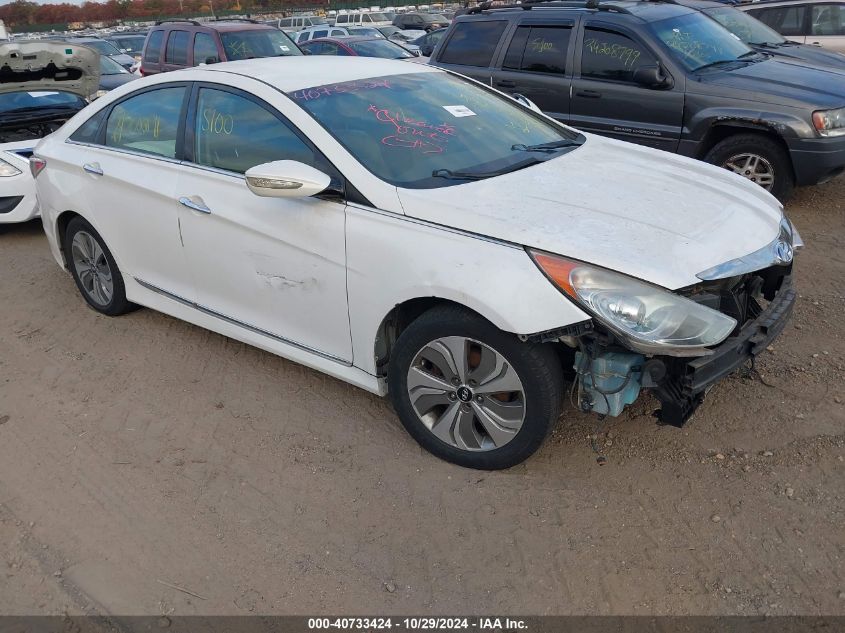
x=421 y=236
x=42 y=85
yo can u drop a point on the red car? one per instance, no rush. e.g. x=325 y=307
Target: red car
x=360 y=46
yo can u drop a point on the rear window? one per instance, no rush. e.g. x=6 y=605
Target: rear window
x=257 y=43
x=177 y=48
x=152 y=53
x=473 y=43
x=539 y=49
x=379 y=48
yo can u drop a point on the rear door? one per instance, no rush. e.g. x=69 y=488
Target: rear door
x=471 y=48
x=537 y=63
x=607 y=101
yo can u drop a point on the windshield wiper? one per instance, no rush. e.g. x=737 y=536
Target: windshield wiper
x=481 y=175
x=553 y=146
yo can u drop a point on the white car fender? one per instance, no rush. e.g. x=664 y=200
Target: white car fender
x=392 y=259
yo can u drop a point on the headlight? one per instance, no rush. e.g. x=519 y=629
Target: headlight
x=649 y=319
x=830 y=122
x=7 y=169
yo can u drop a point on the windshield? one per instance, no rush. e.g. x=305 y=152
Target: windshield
x=39 y=99
x=257 y=43
x=366 y=30
x=430 y=18
x=101 y=46
x=130 y=44
x=379 y=48
x=697 y=41
x=317 y=20
x=404 y=128
x=110 y=67
x=749 y=30
x=376 y=17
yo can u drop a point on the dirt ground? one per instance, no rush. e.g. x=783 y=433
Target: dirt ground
x=151 y=467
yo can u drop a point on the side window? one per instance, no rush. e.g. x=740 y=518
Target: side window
x=788 y=21
x=473 y=43
x=539 y=49
x=342 y=19
x=320 y=33
x=828 y=19
x=89 y=131
x=285 y=23
x=152 y=53
x=205 y=49
x=612 y=56
x=148 y=122
x=177 y=48
x=234 y=133
x=338 y=32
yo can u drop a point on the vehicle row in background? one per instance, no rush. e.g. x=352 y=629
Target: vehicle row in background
x=663 y=75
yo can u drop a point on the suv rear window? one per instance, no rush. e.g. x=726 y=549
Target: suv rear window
x=177 y=48
x=152 y=53
x=473 y=43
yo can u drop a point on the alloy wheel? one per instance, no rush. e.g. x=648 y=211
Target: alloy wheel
x=466 y=393
x=754 y=167
x=92 y=268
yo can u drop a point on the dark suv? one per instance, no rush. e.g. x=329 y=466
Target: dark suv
x=176 y=44
x=662 y=75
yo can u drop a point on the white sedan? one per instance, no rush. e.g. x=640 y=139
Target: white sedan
x=421 y=235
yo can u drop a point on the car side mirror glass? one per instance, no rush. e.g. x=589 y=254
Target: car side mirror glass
x=651 y=77
x=286 y=179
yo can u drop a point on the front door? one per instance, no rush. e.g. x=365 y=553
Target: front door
x=607 y=101
x=272 y=265
x=537 y=65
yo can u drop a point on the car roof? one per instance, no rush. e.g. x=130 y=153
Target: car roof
x=222 y=25
x=295 y=73
x=647 y=10
x=703 y=4
x=348 y=39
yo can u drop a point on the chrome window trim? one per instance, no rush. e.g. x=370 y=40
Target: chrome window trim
x=129 y=152
x=257 y=330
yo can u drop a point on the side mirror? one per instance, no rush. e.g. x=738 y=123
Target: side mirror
x=526 y=102
x=285 y=179
x=651 y=77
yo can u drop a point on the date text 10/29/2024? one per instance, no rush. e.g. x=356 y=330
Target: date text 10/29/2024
x=505 y=625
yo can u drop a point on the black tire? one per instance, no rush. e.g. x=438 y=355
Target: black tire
x=117 y=304
x=763 y=146
x=537 y=366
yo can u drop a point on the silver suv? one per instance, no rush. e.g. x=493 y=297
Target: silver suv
x=819 y=22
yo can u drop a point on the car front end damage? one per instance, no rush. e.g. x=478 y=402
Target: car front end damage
x=748 y=306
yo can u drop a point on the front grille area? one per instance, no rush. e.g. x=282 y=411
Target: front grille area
x=743 y=297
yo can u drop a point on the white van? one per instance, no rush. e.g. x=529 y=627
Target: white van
x=299 y=22
x=358 y=18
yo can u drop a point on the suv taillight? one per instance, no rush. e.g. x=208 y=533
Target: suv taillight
x=36 y=165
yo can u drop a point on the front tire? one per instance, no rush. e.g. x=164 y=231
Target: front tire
x=758 y=158
x=472 y=394
x=94 y=270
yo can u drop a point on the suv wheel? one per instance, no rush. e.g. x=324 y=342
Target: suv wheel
x=472 y=394
x=758 y=158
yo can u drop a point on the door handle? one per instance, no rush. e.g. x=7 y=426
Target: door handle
x=187 y=202
x=589 y=94
x=93 y=168
x=506 y=83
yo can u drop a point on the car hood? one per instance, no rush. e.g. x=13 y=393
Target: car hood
x=778 y=80
x=815 y=55
x=47 y=65
x=653 y=215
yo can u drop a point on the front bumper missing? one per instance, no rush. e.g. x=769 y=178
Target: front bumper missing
x=682 y=388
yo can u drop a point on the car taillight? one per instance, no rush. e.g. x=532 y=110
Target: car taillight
x=36 y=165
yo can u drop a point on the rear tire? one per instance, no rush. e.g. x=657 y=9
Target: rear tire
x=758 y=158
x=472 y=394
x=94 y=270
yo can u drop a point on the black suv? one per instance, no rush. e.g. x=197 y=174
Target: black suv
x=662 y=75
